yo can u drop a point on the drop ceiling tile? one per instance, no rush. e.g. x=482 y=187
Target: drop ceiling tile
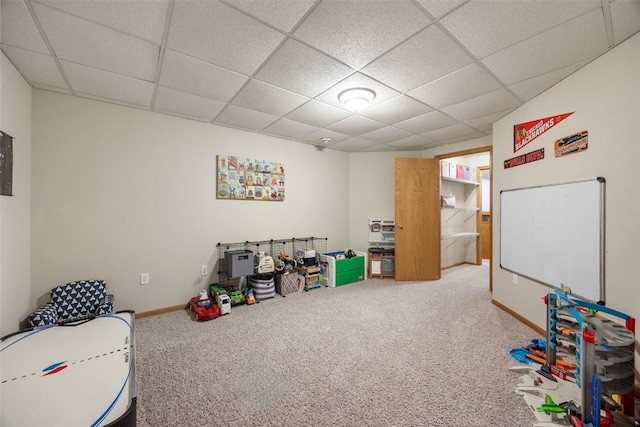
x=383 y=92
x=413 y=142
x=353 y=144
x=316 y=113
x=379 y=25
x=316 y=137
x=396 y=110
x=84 y=42
x=488 y=103
x=625 y=16
x=289 y=129
x=282 y=14
x=462 y=84
x=426 y=122
x=439 y=8
x=319 y=73
x=185 y=104
x=112 y=86
x=530 y=88
x=379 y=148
x=355 y=125
x=112 y=101
x=576 y=40
x=447 y=133
x=245 y=118
x=18 y=29
x=36 y=67
x=260 y=96
x=461 y=138
x=485 y=123
x=192 y=75
x=385 y=134
x=486 y=27
x=52 y=88
x=143 y=19
x=184 y=116
x=218 y=34
x=425 y=57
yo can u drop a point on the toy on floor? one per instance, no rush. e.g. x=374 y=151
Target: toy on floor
x=600 y=364
x=224 y=303
x=204 y=308
x=249 y=297
x=237 y=298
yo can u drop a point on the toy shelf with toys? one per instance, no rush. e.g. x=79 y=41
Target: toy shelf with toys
x=381 y=247
x=587 y=370
x=272 y=266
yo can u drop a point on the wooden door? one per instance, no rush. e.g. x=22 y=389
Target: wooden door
x=417 y=200
x=485 y=210
x=485 y=235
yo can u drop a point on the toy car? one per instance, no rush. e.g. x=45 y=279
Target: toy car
x=224 y=303
x=249 y=296
x=204 y=309
x=236 y=297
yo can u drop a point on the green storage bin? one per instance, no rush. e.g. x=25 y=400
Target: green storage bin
x=349 y=264
x=347 y=277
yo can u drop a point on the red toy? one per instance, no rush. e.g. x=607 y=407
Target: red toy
x=204 y=309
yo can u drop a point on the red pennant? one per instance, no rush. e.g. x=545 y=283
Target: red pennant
x=524 y=133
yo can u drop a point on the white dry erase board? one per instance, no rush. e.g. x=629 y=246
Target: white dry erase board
x=554 y=235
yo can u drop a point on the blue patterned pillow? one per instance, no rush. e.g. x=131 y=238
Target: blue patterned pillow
x=44 y=316
x=78 y=300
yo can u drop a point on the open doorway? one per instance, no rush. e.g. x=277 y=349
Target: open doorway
x=481 y=159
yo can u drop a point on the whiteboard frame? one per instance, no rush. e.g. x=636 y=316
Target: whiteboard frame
x=600 y=299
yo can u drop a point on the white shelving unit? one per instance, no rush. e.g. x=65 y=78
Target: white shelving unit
x=459 y=216
x=381 y=247
x=382 y=232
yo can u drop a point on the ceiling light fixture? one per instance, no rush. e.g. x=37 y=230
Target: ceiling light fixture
x=326 y=140
x=356 y=99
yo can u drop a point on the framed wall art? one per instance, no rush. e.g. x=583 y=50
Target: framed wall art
x=6 y=164
x=249 y=179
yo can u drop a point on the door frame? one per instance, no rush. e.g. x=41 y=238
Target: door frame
x=461 y=153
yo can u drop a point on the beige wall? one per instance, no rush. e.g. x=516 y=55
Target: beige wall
x=372 y=192
x=15 y=212
x=118 y=192
x=605 y=96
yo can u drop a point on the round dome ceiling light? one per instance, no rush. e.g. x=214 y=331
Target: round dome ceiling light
x=356 y=99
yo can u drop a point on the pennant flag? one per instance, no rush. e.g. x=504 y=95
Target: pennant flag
x=524 y=133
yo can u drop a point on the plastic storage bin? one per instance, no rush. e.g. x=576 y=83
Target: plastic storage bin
x=239 y=263
x=343 y=271
x=388 y=266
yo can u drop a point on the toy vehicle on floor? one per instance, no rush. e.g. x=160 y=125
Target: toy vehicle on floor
x=224 y=303
x=204 y=309
x=249 y=296
x=236 y=297
x=215 y=290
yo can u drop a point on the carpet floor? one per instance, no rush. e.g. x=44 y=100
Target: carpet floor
x=372 y=353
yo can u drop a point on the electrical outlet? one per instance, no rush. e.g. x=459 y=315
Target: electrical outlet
x=515 y=279
x=144 y=279
x=204 y=270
